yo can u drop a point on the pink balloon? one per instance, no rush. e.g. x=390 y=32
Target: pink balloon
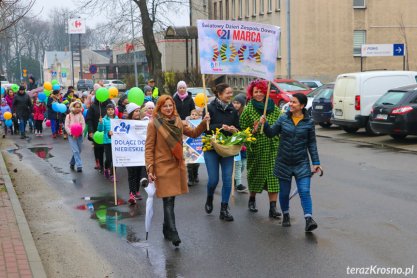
x=48 y=123
x=116 y=111
x=76 y=129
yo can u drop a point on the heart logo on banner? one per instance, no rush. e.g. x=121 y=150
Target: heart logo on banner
x=219 y=32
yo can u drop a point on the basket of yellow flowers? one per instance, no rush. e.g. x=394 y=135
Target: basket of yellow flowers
x=226 y=146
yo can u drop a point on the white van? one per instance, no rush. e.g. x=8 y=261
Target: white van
x=355 y=93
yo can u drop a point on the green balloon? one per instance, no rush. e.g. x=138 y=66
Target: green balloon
x=98 y=137
x=15 y=88
x=47 y=93
x=54 y=81
x=136 y=96
x=102 y=94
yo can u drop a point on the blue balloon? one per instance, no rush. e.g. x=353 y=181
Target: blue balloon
x=62 y=108
x=85 y=113
x=56 y=87
x=2 y=90
x=55 y=106
x=8 y=122
x=41 y=97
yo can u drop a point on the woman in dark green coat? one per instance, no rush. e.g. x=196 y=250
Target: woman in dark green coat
x=262 y=153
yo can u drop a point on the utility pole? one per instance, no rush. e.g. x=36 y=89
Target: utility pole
x=191 y=44
x=288 y=4
x=134 y=51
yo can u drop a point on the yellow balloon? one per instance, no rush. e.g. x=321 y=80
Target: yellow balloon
x=47 y=86
x=7 y=115
x=113 y=92
x=200 y=100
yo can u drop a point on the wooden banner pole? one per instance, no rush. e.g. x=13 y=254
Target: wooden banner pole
x=266 y=103
x=205 y=99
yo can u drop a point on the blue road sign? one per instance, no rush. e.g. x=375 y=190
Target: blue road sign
x=398 y=49
x=92 y=69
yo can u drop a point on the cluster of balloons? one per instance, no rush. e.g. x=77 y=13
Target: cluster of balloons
x=59 y=107
x=200 y=100
x=8 y=119
x=103 y=94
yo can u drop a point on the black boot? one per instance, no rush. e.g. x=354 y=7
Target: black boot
x=209 y=204
x=286 y=220
x=252 y=205
x=190 y=172
x=310 y=224
x=169 y=225
x=224 y=212
x=273 y=213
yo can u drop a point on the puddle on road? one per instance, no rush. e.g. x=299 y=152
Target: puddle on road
x=42 y=152
x=109 y=216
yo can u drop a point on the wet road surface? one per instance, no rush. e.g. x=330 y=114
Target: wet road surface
x=365 y=207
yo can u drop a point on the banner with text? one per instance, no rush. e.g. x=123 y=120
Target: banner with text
x=238 y=47
x=193 y=147
x=128 y=142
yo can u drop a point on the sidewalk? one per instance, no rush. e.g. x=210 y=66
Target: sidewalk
x=18 y=254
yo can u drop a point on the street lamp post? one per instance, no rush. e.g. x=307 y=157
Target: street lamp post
x=133 y=38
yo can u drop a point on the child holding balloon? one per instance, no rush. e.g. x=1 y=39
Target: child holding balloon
x=74 y=126
x=5 y=115
x=38 y=116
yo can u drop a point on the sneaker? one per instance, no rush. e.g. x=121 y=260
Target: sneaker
x=144 y=182
x=138 y=196
x=310 y=224
x=79 y=169
x=241 y=188
x=132 y=200
x=107 y=173
x=72 y=167
x=65 y=137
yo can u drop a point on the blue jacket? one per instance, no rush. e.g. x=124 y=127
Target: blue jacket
x=295 y=140
x=105 y=126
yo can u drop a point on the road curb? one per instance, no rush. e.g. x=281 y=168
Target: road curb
x=32 y=253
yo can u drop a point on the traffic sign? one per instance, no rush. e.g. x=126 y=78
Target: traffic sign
x=92 y=69
x=398 y=49
x=373 y=50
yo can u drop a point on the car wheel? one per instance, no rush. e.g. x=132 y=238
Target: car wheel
x=398 y=136
x=350 y=129
x=280 y=104
x=325 y=125
x=370 y=131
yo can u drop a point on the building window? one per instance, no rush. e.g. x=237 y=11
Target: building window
x=261 y=6
x=247 y=8
x=233 y=9
x=242 y=83
x=227 y=9
x=235 y=82
x=269 y=6
x=278 y=7
x=215 y=10
x=359 y=4
x=254 y=7
x=221 y=10
x=240 y=9
x=359 y=38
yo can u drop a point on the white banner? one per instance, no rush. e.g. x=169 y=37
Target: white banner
x=128 y=142
x=238 y=47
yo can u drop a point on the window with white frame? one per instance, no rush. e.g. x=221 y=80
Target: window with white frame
x=261 y=6
x=215 y=10
x=278 y=5
x=227 y=9
x=359 y=4
x=240 y=9
x=221 y=10
x=247 y=8
x=233 y=9
x=269 y=6
x=254 y=7
x=359 y=38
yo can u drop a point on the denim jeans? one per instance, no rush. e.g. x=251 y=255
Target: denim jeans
x=240 y=166
x=303 y=186
x=76 y=146
x=22 y=125
x=54 y=126
x=213 y=160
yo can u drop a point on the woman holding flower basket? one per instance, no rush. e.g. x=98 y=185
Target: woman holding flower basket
x=224 y=121
x=261 y=156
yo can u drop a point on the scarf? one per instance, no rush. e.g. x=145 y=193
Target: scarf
x=182 y=97
x=222 y=104
x=260 y=106
x=171 y=133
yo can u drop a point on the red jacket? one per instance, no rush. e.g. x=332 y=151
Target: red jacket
x=39 y=112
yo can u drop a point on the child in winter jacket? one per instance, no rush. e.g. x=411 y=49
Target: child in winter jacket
x=75 y=140
x=54 y=116
x=3 y=109
x=38 y=116
x=104 y=125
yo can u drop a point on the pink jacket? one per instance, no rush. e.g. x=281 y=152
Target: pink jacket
x=39 y=112
x=72 y=119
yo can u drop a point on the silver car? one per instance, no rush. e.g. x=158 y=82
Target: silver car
x=120 y=85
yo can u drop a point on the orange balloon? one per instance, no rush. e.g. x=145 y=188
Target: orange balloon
x=7 y=115
x=200 y=100
x=114 y=92
x=47 y=86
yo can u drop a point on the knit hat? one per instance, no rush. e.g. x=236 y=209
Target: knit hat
x=181 y=84
x=147 y=88
x=22 y=88
x=110 y=105
x=74 y=103
x=131 y=107
x=240 y=98
x=149 y=104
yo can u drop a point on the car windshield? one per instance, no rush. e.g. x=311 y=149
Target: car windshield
x=292 y=86
x=195 y=91
x=312 y=85
x=390 y=98
x=81 y=82
x=89 y=81
x=106 y=82
x=325 y=93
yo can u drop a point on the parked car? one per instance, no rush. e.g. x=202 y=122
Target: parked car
x=282 y=89
x=355 y=93
x=395 y=113
x=85 y=85
x=196 y=90
x=120 y=85
x=322 y=105
x=310 y=97
x=313 y=84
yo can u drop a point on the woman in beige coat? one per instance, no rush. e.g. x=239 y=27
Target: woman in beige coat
x=164 y=158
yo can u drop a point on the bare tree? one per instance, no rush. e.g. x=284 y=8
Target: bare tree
x=12 y=11
x=403 y=34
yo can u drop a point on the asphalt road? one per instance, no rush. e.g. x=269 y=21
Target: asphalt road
x=365 y=206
